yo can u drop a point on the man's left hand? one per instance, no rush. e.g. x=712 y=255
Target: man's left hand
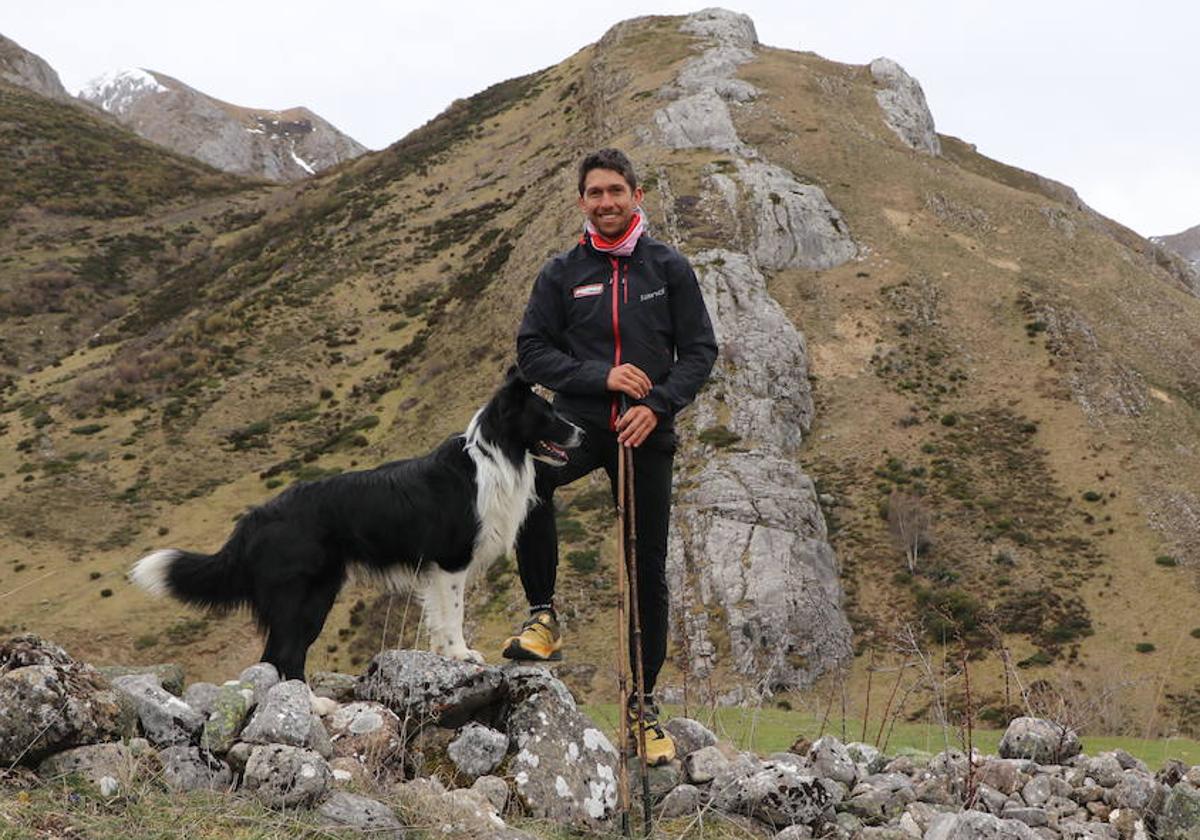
x=635 y=425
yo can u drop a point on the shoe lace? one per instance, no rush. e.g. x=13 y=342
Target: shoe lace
x=540 y=627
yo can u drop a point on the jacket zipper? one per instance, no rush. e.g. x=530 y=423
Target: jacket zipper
x=616 y=325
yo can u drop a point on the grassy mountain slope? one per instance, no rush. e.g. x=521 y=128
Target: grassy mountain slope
x=998 y=349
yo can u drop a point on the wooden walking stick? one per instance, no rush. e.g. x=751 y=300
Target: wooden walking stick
x=622 y=653
x=629 y=557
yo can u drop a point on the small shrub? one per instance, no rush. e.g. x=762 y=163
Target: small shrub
x=1196 y=632
x=94 y=576
x=719 y=436
x=1039 y=658
x=1144 y=647
x=1092 y=496
x=106 y=593
x=585 y=561
x=597 y=498
x=149 y=640
x=949 y=419
x=89 y=429
x=570 y=530
x=1166 y=560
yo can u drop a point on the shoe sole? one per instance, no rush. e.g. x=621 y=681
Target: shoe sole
x=516 y=651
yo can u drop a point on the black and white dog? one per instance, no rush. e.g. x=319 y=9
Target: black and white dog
x=423 y=524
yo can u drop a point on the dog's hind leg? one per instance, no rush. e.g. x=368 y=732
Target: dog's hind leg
x=299 y=613
x=443 y=595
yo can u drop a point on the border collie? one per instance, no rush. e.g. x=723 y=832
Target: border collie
x=423 y=523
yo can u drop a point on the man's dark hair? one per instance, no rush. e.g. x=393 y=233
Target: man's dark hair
x=613 y=159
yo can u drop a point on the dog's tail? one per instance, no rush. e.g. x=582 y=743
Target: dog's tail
x=206 y=580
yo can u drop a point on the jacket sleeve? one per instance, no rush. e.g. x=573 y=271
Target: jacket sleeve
x=695 y=343
x=541 y=343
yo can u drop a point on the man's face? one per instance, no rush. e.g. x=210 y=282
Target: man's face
x=608 y=202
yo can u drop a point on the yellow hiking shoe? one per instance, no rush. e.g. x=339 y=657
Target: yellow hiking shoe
x=539 y=639
x=660 y=749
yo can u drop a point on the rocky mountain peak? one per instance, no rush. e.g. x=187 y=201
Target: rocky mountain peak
x=117 y=92
x=20 y=67
x=286 y=145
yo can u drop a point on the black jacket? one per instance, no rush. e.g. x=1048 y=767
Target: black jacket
x=589 y=312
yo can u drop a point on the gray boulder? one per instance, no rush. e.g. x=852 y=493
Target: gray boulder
x=974 y=825
x=262 y=676
x=165 y=719
x=1006 y=775
x=201 y=695
x=689 y=735
x=565 y=768
x=169 y=674
x=423 y=688
x=1180 y=818
x=704 y=765
x=1042 y=741
x=368 y=732
x=682 y=801
x=477 y=750
x=1105 y=769
x=494 y=790
x=227 y=713
x=904 y=107
x=282 y=776
x=1032 y=817
x=1041 y=788
x=831 y=759
x=46 y=708
x=777 y=795
x=285 y=716
x=189 y=768
x=94 y=762
x=1077 y=830
x=369 y=816
x=1137 y=791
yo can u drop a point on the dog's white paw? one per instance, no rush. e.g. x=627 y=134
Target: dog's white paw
x=465 y=654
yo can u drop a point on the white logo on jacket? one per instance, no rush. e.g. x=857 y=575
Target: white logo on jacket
x=588 y=290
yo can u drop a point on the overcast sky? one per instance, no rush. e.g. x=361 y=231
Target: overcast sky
x=1101 y=94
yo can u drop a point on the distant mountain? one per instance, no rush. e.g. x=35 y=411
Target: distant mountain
x=287 y=145
x=20 y=67
x=1185 y=243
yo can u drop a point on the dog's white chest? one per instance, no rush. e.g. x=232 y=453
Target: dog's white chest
x=503 y=495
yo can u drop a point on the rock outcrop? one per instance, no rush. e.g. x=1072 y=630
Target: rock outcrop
x=286 y=145
x=904 y=107
x=749 y=558
x=20 y=67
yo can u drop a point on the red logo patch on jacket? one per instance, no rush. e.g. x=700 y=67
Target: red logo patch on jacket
x=588 y=290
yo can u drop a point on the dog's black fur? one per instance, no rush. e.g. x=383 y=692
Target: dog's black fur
x=422 y=522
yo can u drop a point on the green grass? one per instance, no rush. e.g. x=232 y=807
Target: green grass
x=774 y=730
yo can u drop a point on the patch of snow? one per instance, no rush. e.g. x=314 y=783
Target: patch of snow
x=526 y=757
x=116 y=91
x=562 y=788
x=572 y=752
x=305 y=165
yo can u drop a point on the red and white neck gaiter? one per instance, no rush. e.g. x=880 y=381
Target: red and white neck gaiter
x=623 y=245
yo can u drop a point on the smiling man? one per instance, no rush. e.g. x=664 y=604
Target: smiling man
x=618 y=318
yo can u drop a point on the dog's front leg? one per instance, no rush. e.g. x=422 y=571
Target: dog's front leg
x=444 y=595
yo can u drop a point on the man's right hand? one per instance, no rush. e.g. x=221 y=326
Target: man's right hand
x=629 y=379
